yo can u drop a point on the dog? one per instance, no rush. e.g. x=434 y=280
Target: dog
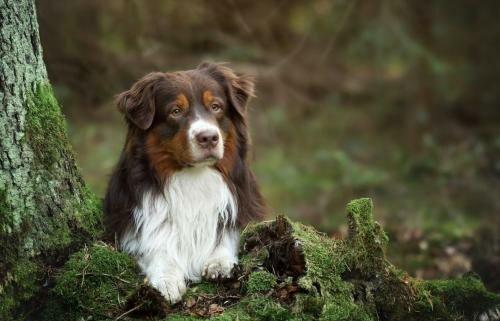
x=182 y=188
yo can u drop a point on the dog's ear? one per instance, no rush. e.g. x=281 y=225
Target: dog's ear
x=138 y=103
x=239 y=87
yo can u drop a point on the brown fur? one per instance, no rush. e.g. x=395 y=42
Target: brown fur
x=165 y=156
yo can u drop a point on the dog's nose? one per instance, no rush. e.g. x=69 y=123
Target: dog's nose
x=207 y=138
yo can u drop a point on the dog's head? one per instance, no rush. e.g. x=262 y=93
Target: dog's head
x=188 y=118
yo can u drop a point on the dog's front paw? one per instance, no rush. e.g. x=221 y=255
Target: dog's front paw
x=218 y=268
x=172 y=288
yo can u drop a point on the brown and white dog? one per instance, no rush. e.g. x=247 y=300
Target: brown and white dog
x=182 y=188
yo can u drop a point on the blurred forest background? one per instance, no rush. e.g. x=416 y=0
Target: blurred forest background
x=396 y=100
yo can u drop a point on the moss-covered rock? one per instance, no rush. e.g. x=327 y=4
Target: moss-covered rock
x=287 y=271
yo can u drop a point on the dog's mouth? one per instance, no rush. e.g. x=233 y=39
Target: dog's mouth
x=209 y=161
x=208 y=158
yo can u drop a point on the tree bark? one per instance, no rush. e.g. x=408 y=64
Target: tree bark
x=45 y=207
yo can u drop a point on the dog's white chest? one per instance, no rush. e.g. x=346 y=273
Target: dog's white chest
x=183 y=223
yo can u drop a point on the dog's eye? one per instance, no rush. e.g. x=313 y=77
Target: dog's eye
x=176 y=111
x=216 y=107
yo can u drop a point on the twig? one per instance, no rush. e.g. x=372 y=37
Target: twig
x=84 y=272
x=105 y=274
x=129 y=311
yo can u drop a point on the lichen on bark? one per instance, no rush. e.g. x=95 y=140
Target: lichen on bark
x=287 y=271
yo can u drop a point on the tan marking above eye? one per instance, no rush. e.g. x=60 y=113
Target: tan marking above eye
x=179 y=106
x=182 y=101
x=208 y=97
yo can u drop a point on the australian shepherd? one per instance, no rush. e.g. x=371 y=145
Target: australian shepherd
x=182 y=188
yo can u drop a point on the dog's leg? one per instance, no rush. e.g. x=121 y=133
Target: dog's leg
x=164 y=275
x=224 y=257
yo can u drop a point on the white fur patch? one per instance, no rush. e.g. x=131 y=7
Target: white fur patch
x=175 y=235
x=197 y=127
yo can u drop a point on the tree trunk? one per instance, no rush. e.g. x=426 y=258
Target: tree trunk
x=45 y=207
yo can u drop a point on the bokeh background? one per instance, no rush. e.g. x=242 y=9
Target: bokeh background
x=395 y=100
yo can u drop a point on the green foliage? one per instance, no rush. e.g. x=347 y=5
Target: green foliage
x=260 y=281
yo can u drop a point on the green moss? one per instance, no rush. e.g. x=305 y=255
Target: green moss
x=45 y=126
x=57 y=236
x=325 y=259
x=95 y=282
x=390 y=292
x=340 y=280
x=24 y=276
x=203 y=288
x=50 y=212
x=466 y=296
x=12 y=208
x=265 y=309
x=326 y=262
x=88 y=214
x=308 y=304
x=56 y=311
x=252 y=308
x=306 y=283
x=252 y=229
x=6 y=305
x=260 y=281
x=343 y=309
x=233 y=314
x=181 y=317
x=79 y=223
x=251 y=261
x=367 y=240
x=4 y=206
x=78 y=212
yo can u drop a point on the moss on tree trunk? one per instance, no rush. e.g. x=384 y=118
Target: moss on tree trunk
x=287 y=271
x=45 y=208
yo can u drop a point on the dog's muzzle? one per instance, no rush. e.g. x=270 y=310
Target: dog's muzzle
x=205 y=142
